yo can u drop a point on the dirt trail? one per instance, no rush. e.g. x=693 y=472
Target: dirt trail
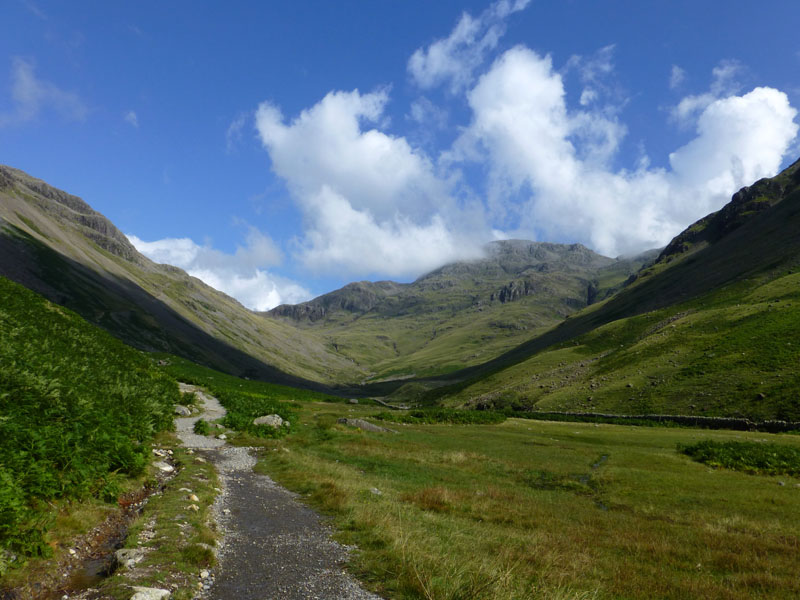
x=273 y=546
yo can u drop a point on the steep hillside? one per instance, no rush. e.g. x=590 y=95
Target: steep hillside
x=711 y=328
x=55 y=244
x=462 y=313
x=76 y=406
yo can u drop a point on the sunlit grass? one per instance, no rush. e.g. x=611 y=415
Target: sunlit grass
x=544 y=510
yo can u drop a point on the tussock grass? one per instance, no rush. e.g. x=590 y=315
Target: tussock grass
x=529 y=509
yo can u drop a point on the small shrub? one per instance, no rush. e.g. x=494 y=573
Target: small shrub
x=201 y=427
x=188 y=398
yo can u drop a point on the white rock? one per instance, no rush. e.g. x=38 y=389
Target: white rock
x=203 y=574
x=222 y=436
x=162 y=466
x=272 y=420
x=181 y=410
x=146 y=593
x=193 y=498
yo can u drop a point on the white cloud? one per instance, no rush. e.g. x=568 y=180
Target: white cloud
x=541 y=150
x=456 y=57
x=241 y=275
x=723 y=83
x=31 y=95
x=371 y=202
x=233 y=135
x=676 y=77
x=131 y=119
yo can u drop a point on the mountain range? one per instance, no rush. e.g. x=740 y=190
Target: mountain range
x=703 y=325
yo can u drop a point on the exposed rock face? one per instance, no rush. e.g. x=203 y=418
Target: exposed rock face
x=358 y=297
x=70 y=209
x=530 y=262
x=516 y=290
x=182 y=411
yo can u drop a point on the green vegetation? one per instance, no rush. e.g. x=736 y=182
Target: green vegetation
x=529 y=509
x=733 y=352
x=77 y=408
x=752 y=457
x=177 y=540
x=443 y=415
x=201 y=427
x=244 y=399
x=462 y=314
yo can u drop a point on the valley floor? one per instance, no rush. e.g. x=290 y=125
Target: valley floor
x=529 y=509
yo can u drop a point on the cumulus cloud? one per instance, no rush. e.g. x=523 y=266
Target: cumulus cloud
x=242 y=275
x=371 y=202
x=31 y=96
x=723 y=83
x=454 y=59
x=537 y=147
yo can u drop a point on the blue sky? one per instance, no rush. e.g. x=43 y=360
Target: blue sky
x=280 y=150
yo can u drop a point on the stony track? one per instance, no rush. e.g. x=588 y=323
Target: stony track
x=272 y=545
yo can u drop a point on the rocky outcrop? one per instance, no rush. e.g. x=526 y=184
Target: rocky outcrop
x=69 y=209
x=359 y=297
x=744 y=205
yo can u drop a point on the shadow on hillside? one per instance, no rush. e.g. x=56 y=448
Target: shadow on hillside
x=127 y=311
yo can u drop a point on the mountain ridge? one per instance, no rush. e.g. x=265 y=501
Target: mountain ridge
x=56 y=244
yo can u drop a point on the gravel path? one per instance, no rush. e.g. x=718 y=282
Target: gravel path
x=272 y=546
x=184 y=426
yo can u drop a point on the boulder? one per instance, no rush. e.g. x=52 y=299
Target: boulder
x=182 y=410
x=162 y=466
x=363 y=425
x=128 y=557
x=146 y=593
x=272 y=420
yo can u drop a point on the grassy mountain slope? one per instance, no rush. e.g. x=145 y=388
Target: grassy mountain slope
x=462 y=313
x=55 y=244
x=76 y=406
x=711 y=327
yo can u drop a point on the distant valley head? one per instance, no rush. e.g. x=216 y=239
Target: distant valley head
x=705 y=325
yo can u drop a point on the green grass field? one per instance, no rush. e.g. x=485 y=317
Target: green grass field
x=536 y=509
x=528 y=509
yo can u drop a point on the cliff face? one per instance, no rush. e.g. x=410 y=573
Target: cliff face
x=69 y=210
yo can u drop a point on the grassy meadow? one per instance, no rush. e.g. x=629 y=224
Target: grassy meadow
x=529 y=509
